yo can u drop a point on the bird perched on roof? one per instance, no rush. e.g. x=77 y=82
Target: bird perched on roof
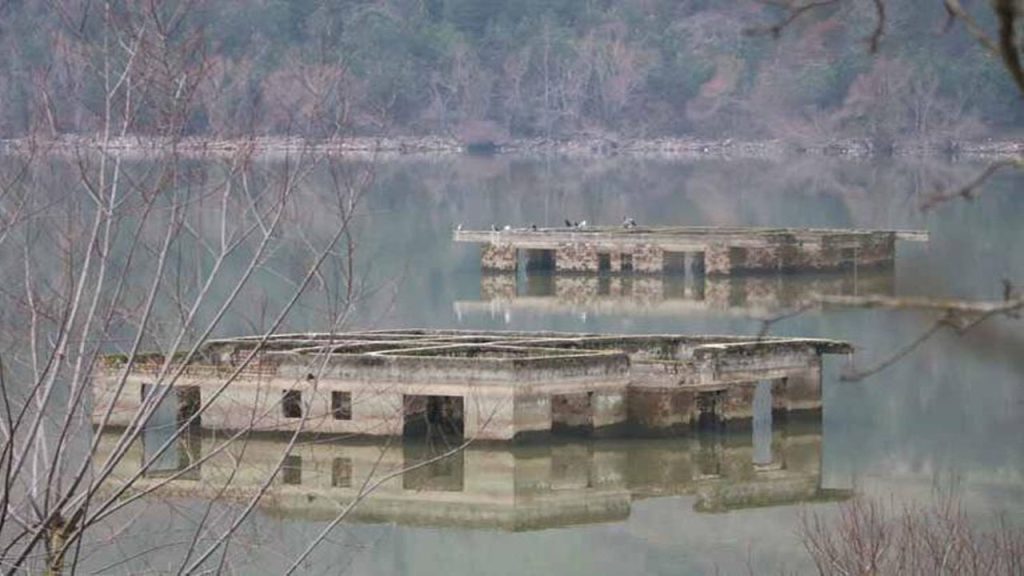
x=533 y=227
x=628 y=222
x=458 y=228
x=568 y=223
x=582 y=224
x=507 y=227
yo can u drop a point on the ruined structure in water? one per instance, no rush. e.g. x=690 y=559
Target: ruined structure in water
x=481 y=384
x=508 y=487
x=707 y=250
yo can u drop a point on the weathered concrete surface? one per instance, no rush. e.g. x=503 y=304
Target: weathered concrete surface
x=499 y=257
x=723 y=250
x=505 y=383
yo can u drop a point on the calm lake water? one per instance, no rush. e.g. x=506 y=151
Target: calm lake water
x=948 y=416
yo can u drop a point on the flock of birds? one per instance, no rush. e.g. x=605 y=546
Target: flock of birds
x=627 y=223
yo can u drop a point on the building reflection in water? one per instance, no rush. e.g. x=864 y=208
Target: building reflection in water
x=562 y=482
x=745 y=295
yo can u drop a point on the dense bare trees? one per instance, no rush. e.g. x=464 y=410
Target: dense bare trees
x=536 y=68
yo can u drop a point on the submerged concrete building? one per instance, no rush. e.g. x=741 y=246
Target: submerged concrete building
x=489 y=385
x=515 y=488
x=710 y=250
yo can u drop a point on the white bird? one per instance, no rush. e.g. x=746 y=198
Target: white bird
x=459 y=228
x=583 y=224
x=507 y=227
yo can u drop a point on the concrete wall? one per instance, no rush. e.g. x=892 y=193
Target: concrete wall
x=725 y=253
x=499 y=257
x=576 y=257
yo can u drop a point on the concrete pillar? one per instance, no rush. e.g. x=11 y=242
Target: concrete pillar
x=648 y=259
x=489 y=414
x=577 y=257
x=763 y=259
x=532 y=412
x=609 y=407
x=762 y=424
x=616 y=262
x=717 y=260
x=498 y=257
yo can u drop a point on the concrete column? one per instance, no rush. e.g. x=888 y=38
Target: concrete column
x=762 y=425
x=498 y=257
x=532 y=412
x=609 y=407
x=578 y=257
x=717 y=260
x=648 y=259
x=489 y=414
x=763 y=259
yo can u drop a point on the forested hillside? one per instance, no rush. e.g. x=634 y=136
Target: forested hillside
x=526 y=68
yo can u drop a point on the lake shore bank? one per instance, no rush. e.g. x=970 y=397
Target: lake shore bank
x=582 y=147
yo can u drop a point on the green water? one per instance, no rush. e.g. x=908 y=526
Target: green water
x=946 y=416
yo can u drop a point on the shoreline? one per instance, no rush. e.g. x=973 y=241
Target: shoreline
x=584 y=147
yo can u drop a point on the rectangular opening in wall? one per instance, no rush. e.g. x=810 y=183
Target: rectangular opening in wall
x=540 y=260
x=572 y=413
x=604 y=262
x=848 y=258
x=626 y=262
x=291 y=403
x=604 y=286
x=341 y=405
x=189 y=401
x=737 y=259
x=163 y=425
x=673 y=262
x=433 y=416
x=291 y=469
x=341 y=473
